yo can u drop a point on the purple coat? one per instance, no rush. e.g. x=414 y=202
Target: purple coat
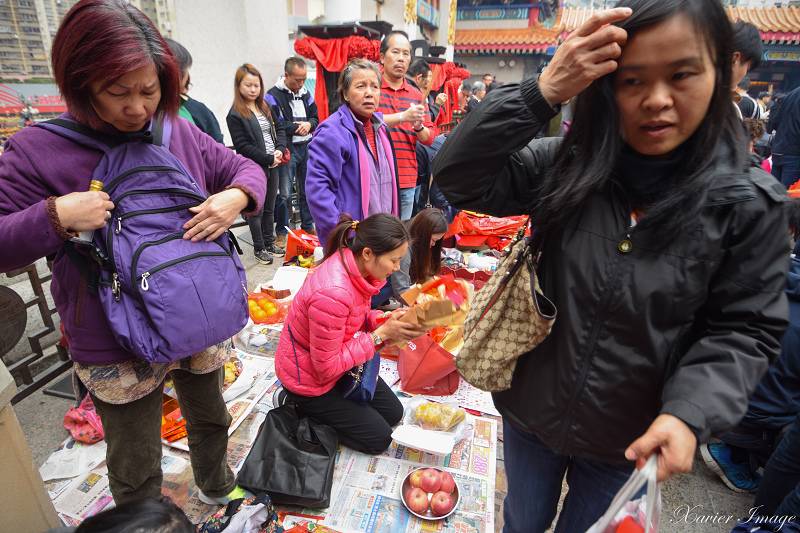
x=338 y=171
x=38 y=166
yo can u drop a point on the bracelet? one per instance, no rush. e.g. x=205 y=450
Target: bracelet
x=418 y=130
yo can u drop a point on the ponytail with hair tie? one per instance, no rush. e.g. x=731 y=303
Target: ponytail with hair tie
x=381 y=233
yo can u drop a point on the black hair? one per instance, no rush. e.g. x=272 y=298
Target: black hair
x=183 y=55
x=426 y=260
x=466 y=86
x=792 y=209
x=744 y=84
x=747 y=41
x=491 y=76
x=763 y=94
x=588 y=155
x=385 y=41
x=381 y=233
x=293 y=63
x=150 y=515
x=418 y=66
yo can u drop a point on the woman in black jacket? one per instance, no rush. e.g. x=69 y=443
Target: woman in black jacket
x=258 y=136
x=663 y=252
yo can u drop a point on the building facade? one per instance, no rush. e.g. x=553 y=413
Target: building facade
x=27 y=28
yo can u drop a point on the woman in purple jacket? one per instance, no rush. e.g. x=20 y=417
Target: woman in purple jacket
x=116 y=73
x=351 y=163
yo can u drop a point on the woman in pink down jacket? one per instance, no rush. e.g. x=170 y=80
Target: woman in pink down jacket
x=330 y=329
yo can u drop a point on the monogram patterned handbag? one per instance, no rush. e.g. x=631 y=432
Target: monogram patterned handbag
x=508 y=317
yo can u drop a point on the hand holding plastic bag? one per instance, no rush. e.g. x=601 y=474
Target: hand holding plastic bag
x=645 y=513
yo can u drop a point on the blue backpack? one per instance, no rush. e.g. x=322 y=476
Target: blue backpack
x=165 y=298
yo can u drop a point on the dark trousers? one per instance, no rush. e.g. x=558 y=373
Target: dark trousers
x=366 y=428
x=133 y=435
x=786 y=168
x=779 y=491
x=294 y=171
x=535 y=475
x=262 y=224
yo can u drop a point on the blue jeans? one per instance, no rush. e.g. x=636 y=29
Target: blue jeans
x=295 y=170
x=779 y=491
x=786 y=168
x=407 y=202
x=534 y=477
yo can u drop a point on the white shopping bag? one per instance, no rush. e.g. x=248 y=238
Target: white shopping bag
x=646 y=511
x=248 y=519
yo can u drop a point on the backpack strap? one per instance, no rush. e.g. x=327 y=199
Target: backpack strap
x=81 y=134
x=158 y=135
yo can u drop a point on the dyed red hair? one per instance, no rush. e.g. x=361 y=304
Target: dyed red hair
x=102 y=40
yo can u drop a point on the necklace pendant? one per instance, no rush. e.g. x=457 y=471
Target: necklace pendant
x=625 y=246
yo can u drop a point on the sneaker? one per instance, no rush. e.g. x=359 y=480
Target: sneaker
x=279 y=397
x=737 y=477
x=311 y=231
x=280 y=241
x=263 y=257
x=236 y=494
x=274 y=250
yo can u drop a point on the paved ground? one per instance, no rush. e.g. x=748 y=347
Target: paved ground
x=697 y=502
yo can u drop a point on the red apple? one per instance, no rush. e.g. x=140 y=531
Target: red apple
x=415 y=478
x=441 y=503
x=417 y=500
x=448 y=483
x=431 y=481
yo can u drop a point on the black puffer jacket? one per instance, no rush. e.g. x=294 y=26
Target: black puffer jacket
x=687 y=329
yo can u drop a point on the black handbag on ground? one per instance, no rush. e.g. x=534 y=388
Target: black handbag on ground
x=292 y=459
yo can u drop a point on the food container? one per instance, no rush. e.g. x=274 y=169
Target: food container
x=428 y=515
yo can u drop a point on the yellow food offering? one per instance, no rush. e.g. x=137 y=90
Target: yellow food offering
x=438 y=416
x=230 y=372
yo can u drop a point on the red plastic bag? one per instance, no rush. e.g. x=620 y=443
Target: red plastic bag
x=466 y=223
x=281 y=309
x=83 y=422
x=427 y=368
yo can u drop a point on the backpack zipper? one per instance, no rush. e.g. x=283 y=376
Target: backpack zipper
x=141 y=281
x=140 y=212
x=110 y=187
x=109 y=239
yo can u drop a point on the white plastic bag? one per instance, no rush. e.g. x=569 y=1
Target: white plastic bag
x=646 y=511
x=248 y=519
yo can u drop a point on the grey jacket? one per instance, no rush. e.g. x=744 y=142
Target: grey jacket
x=686 y=329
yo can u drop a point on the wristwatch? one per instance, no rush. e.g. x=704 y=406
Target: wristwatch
x=376 y=339
x=418 y=130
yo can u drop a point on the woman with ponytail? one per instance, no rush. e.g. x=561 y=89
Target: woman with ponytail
x=330 y=329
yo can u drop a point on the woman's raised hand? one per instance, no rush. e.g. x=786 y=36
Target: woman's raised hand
x=587 y=54
x=84 y=211
x=401 y=331
x=214 y=216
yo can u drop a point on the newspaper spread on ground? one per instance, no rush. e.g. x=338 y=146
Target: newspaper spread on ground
x=72 y=459
x=366 y=492
x=84 y=497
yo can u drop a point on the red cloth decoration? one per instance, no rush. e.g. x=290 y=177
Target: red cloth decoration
x=439 y=77
x=333 y=55
x=462 y=73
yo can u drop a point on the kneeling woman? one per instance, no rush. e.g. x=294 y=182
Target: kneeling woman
x=330 y=329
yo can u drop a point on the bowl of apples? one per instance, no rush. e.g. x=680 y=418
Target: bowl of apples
x=430 y=493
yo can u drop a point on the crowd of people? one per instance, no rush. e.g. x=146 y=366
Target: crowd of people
x=663 y=243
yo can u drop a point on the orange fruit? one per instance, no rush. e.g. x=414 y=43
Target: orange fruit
x=258 y=314
x=271 y=310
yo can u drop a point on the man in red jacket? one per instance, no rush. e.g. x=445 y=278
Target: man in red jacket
x=405 y=113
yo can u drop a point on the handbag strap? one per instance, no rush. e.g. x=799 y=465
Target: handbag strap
x=291 y=338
